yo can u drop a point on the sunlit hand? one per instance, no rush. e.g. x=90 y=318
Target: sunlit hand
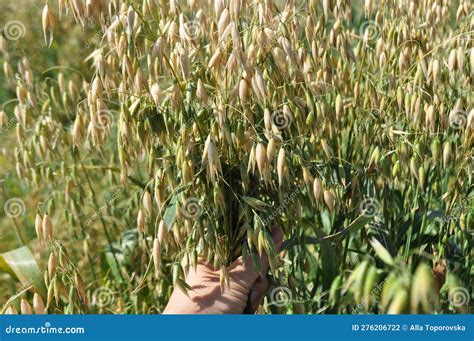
x=206 y=297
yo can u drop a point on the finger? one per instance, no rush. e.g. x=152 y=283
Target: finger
x=277 y=235
x=258 y=291
x=245 y=270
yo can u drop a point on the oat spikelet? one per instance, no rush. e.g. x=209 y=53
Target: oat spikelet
x=327 y=149
x=243 y=90
x=156 y=94
x=141 y=222
x=162 y=232
x=281 y=166
x=326 y=8
x=3 y=119
x=261 y=157
x=339 y=106
x=25 y=307
x=47 y=227
x=271 y=151
x=3 y=45
x=11 y=311
x=471 y=58
x=212 y=156
x=39 y=226
x=329 y=199
x=77 y=130
x=52 y=265
x=447 y=153
x=147 y=202
x=318 y=190
x=48 y=25
x=308 y=178
x=38 y=304
x=452 y=60
x=215 y=59
x=157 y=255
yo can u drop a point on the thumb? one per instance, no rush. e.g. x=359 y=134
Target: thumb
x=257 y=292
x=243 y=270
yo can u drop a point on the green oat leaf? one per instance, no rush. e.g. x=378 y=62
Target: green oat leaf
x=170 y=213
x=328 y=261
x=382 y=252
x=21 y=264
x=353 y=227
x=110 y=261
x=259 y=205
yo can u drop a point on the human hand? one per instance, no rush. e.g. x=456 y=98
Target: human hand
x=206 y=296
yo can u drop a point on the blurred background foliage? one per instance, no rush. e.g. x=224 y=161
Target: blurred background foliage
x=67 y=54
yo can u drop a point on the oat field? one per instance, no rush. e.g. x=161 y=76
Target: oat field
x=137 y=137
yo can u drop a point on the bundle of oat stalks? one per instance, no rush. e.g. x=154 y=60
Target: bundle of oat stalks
x=349 y=125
